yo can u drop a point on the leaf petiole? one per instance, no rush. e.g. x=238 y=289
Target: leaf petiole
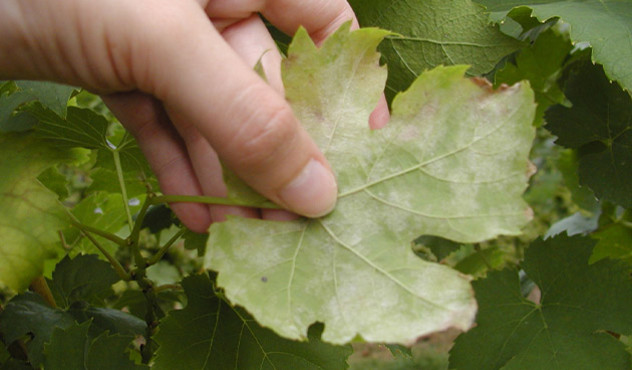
x=158 y=256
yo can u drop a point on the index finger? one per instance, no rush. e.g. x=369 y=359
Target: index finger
x=320 y=18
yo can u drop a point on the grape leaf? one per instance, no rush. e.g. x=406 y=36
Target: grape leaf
x=73 y=348
x=28 y=314
x=613 y=242
x=84 y=278
x=51 y=95
x=605 y=24
x=567 y=329
x=600 y=126
x=86 y=129
x=209 y=334
x=541 y=64
x=103 y=211
x=433 y=33
x=452 y=163
x=31 y=213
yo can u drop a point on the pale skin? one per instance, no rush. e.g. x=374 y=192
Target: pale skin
x=179 y=76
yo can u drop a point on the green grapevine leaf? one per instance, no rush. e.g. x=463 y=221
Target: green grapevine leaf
x=433 y=33
x=566 y=330
x=195 y=241
x=209 y=334
x=55 y=181
x=103 y=211
x=568 y=165
x=452 y=163
x=73 y=348
x=613 y=242
x=31 y=213
x=605 y=24
x=600 y=126
x=51 y=95
x=28 y=314
x=106 y=180
x=541 y=64
x=107 y=319
x=86 y=129
x=84 y=278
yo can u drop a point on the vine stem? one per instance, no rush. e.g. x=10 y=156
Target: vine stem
x=121 y=180
x=99 y=232
x=40 y=286
x=208 y=200
x=158 y=256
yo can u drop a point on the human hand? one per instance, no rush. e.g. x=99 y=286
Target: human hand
x=179 y=76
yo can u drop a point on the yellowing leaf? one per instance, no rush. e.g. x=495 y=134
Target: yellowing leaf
x=31 y=214
x=451 y=163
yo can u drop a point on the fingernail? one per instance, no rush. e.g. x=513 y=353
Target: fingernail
x=313 y=192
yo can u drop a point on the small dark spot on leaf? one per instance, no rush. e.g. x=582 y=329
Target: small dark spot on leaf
x=264 y=279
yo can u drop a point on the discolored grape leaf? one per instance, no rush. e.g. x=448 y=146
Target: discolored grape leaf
x=83 y=278
x=452 y=163
x=567 y=329
x=605 y=24
x=433 y=33
x=31 y=214
x=599 y=125
x=74 y=348
x=51 y=95
x=541 y=64
x=209 y=334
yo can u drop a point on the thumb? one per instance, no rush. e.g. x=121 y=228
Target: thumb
x=207 y=89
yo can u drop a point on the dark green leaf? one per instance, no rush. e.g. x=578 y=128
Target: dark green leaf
x=51 y=95
x=209 y=334
x=86 y=129
x=107 y=319
x=440 y=247
x=158 y=217
x=135 y=302
x=73 y=348
x=433 y=33
x=567 y=330
x=599 y=124
x=28 y=314
x=83 y=278
x=195 y=241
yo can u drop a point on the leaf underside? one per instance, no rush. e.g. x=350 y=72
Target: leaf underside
x=452 y=162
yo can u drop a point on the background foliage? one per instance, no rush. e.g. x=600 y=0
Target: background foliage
x=97 y=273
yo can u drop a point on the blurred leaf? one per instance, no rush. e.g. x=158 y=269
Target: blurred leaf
x=568 y=165
x=575 y=224
x=197 y=241
x=31 y=214
x=55 y=181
